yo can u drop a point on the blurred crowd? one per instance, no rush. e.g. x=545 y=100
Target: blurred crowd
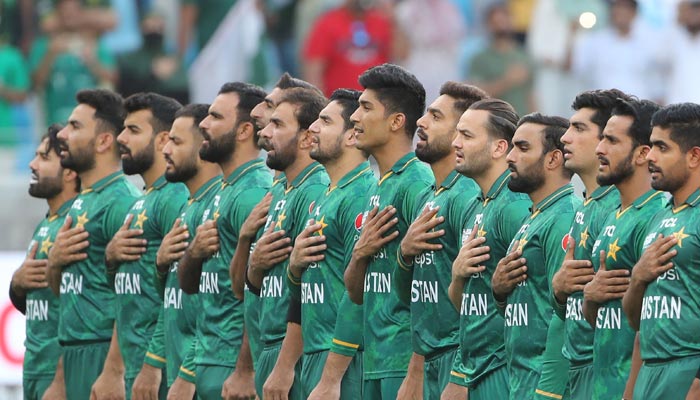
x=535 y=54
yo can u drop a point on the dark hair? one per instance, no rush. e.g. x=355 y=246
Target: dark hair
x=602 y=101
x=503 y=119
x=348 y=100
x=398 y=90
x=465 y=95
x=641 y=112
x=109 y=108
x=286 y=81
x=554 y=129
x=52 y=136
x=308 y=105
x=248 y=97
x=683 y=120
x=195 y=111
x=630 y=3
x=163 y=109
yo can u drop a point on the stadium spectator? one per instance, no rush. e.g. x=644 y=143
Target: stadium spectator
x=503 y=69
x=680 y=54
x=14 y=84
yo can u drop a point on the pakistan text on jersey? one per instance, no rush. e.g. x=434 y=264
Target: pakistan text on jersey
x=172 y=298
x=37 y=310
x=574 y=309
x=271 y=286
x=474 y=304
x=378 y=282
x=424 y=291
x=516 y=314
x=71 y=283
x=312 y=293
x=209 y=283
x=127 y=283
x=661 y=307
x=609 y=318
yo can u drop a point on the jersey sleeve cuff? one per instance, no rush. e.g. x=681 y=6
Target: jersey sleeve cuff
x=344 y=348
x=402 y=263
x=154 y=360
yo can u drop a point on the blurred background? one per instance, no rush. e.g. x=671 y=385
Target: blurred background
x=536 y=54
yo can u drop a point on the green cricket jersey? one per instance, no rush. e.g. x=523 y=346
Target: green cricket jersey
x=87 y=299
x=42 y=348
x=499 y=214
x=251 y=302
x=388 y=319
x=220 y=320
x=176 y=328
x=670 y=317
x=588 y=223
x=137 y=298
x=426 y=281
x=289 y=211
x=622 y=238
x=528 y=313
x=321 y=289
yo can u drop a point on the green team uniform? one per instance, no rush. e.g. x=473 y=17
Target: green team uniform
x=481 y=360
x=88 y=307
x=530 y=346
x=220 y=321
x=387 y=319
x=670 y=316
x=175 y=330
x=622 y=238
x=424 y=283
x=137 y=298
x=321 y=290
x=578 y=342
x=289 y=211
x=41 y=310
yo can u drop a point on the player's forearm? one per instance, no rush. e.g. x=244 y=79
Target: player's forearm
x=403 y=277
x=590 y=312
x=18 y=297
x=237 y=268
x=455 y=291
x=255 y=276
x=53 y=277
x=634 y=369
x=355 y=278
x=415 y=366
x=189 y=272
x=336 y=365
x=292 y=348
x=245 y=357
x=632 y=302
x=114 y=363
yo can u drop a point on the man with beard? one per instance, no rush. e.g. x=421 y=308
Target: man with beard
x=229 y=140
x=76 y=261
x=484 y=135
x=331 y=324
x=175 y=330
x=592 y=111
x=385 y=122
x=521 y=283
x=288 y=141
x=131 y=254
x=621 y=153
x=425 y=255
x=43 y=369
x=662 y=300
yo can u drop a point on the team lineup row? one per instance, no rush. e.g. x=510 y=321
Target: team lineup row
x=467 y=269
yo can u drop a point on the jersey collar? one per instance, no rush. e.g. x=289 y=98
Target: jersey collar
x=552 y=199
x=496 y=188
x=692 y=201
x=157 y=185
x=447 y=184
x=358 y=171
x=242 y=170
x=100 y=185
x=400 y=166
x=204 y=189
x=304 y=174
x=640 y=201
x=598 y=193
x=62 y=210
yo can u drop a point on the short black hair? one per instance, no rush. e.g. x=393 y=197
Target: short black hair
x=161 y=107
x=308 y=105
x=554 y=129
x=683 y=120
x=398 y=90
x=503 y=119
x=348 y=100
x=286 y=81
x=249 y=96
x=195 y=111
x=52 y=136
x=109 y=108
x=641 y=112
x=602 y=101
x=464 y=94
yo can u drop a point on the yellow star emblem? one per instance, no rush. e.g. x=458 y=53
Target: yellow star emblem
x=613 y=248
x=46 y=245
x=280 y=219
x=481 y=232
x=82 y=220
x=680 y=235
x=521 y=243
x=216 y=214
x=140 y=219
x=584 y=238
x=323 y=225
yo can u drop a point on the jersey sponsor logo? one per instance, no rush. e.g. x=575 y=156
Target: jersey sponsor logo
x=380 y=255
x=127 y=283
x=669 y=223
x=374 y=201
x=479 y=219
x=609 y=231
x=425 y=259
x=649 y=239
x=378 y=282
x=516 y=314
x=596 y=244
x=43 y=231
x=579 y=218
x=312 y=293
x=566 y=240
x=209 y=282
x=37 y=310
x=172 y=298
x=424 y=291
x=574 y=309
x=271 y=287
x=661 y=307
x=138 y=205
x=609 y=318
x=670 y=275
x=360 y=220
x=280 y=204
x=465 y=235
x=311 y=207
x=77 y=204
x=475 y=304
x=71 y=283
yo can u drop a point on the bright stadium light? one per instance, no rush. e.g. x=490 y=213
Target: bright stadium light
x=587 y=20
